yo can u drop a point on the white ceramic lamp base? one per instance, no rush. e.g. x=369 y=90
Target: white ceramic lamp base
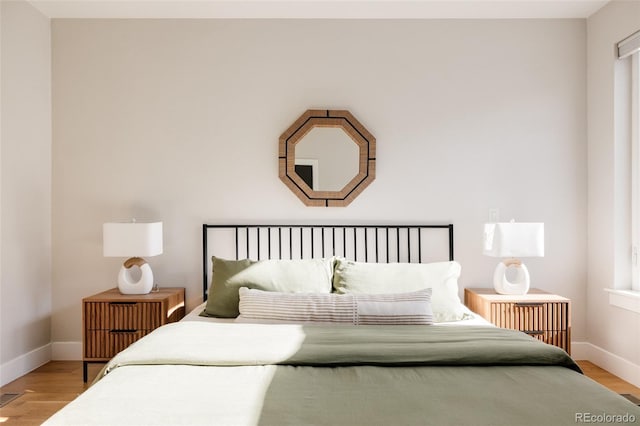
x=144 y=285
x=517 y=287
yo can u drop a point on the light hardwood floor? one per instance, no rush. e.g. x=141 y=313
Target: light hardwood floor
x=607 y=379
x=50 y=387
x=44 y=391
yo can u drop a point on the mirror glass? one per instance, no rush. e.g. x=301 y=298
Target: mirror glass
x=327 y=158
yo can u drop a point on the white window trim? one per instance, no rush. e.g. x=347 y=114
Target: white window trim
x=625 y=299
x=635 y=158
x=629 y=298
x=629 y=45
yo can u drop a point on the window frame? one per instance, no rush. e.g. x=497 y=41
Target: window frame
x=635 y=169
x=635 y=185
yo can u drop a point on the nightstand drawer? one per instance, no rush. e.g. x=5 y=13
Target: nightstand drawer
x=107 y=343
x=123 y=315
x=545 y=316
x=530 y=317
x=525 y=317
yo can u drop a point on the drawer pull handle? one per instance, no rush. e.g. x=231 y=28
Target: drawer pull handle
x=534 y=332
x=533 y=304
x=123 y=303
x=123 y=331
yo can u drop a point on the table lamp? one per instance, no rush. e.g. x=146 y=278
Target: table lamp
x=133 y=240
x=513 y=240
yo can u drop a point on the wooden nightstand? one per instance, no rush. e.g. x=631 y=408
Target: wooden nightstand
x=112 y=321
x=542 y=315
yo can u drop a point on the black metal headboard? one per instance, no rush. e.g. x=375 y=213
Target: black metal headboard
x=366 y=243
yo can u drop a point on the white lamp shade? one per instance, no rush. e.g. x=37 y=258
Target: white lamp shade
x=514 y=239
x=134 y=239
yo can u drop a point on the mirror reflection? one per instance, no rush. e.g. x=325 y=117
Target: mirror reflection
x=326 y=158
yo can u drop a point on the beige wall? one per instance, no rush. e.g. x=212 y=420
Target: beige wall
x=615 y=332
x=178 y=120
x=25 y=190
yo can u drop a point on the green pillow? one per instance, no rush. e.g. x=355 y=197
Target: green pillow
x=286 y=276
x=220 y=299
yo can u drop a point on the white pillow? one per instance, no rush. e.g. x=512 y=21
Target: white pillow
x=351 y=277
x=360 y=309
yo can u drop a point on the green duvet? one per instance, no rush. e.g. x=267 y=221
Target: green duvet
x=242 y=374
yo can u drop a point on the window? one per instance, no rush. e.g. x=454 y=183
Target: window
x=629 y=50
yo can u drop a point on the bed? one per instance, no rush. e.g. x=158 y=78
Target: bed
x=339 y=325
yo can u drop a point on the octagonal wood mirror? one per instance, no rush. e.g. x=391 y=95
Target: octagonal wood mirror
x=327 y=158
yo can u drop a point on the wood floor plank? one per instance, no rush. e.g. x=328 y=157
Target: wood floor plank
x=52 y=386
x=44 y=391
x=607 y=379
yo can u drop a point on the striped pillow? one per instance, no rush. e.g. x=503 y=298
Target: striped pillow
x=360 y=309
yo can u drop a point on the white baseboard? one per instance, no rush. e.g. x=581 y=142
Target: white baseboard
x=613 y=363
x=18 y=367
x=66 y=351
